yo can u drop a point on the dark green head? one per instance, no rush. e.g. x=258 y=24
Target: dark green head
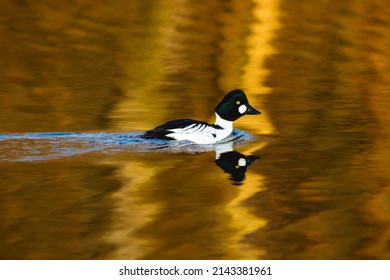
x=234 y=105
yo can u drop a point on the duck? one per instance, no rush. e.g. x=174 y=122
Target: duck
x=233 y=106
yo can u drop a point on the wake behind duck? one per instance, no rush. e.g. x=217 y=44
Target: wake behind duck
x=49 y=145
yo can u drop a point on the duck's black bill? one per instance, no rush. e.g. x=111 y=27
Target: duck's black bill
x=252 y=111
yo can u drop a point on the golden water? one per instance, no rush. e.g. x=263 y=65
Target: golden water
x=318 y=71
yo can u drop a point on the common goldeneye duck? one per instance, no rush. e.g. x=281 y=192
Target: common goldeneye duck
x=233 y=106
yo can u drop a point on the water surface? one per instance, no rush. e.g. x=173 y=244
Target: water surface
x=79 y=83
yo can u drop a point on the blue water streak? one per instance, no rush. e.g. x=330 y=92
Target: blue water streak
x=51 y=145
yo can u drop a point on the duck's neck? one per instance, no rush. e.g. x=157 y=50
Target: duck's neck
x=226 y=125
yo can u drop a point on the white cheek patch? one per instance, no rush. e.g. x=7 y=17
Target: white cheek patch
x=242 y=162
x=242 y=109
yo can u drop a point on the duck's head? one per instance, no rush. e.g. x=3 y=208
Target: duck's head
x=234 y=105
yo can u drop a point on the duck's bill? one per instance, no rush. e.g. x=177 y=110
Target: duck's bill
x=252 y=111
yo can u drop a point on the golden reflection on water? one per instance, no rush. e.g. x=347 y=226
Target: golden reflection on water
x=316 y=71
x=255 y=73
x=244 y=220
x=377 y=207
x=131 y=211
x=175 y=46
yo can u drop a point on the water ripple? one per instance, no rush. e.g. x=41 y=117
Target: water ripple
x=52 y=145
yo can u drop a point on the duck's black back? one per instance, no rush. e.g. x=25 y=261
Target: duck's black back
x=161 y=131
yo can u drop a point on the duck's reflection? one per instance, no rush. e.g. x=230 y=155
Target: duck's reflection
x=233 y=162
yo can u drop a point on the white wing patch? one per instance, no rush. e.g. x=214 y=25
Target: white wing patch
x=194 y=128
x=199 y=133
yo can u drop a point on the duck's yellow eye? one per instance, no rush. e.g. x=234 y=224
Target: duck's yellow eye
x=238 y=102
x=237 y=166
